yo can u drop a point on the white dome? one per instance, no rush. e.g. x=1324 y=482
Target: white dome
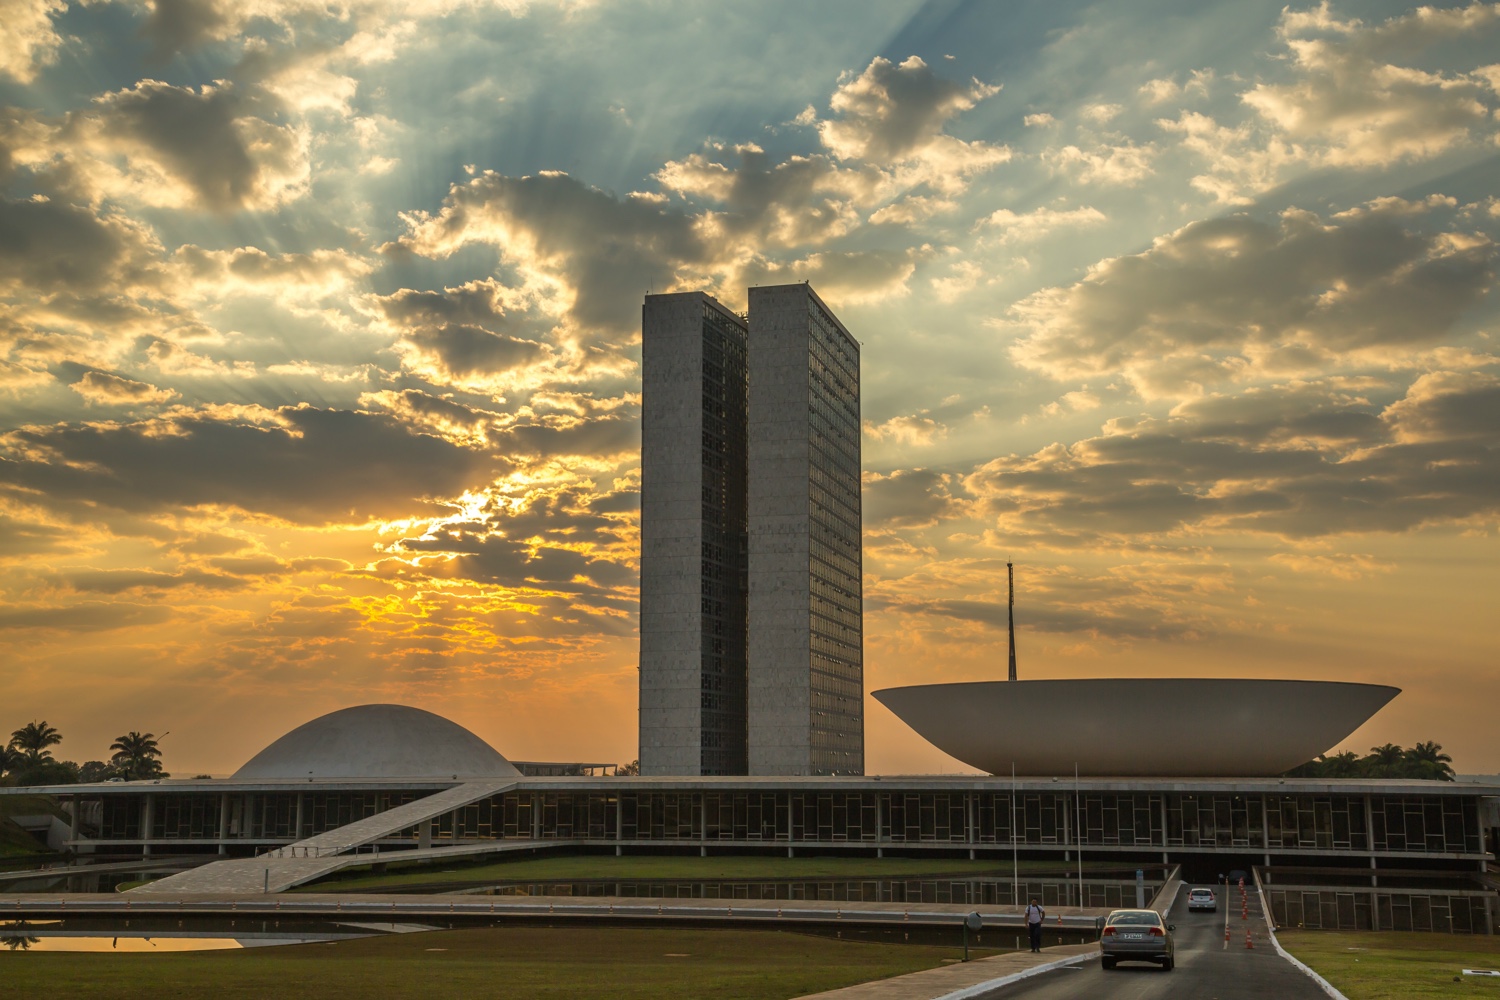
x=377 y=741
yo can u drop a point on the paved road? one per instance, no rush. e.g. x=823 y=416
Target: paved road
x=1207 y=968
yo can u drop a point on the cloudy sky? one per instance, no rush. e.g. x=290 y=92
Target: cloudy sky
x=319 y=345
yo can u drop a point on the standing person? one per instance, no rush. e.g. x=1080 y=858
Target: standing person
x=1034 y=917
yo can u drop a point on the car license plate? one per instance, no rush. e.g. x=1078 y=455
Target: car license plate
x=1133 y=937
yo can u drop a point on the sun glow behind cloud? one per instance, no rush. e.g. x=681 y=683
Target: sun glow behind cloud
x=319 y=346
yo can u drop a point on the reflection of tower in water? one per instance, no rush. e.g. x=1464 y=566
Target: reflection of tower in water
x=1010 y=579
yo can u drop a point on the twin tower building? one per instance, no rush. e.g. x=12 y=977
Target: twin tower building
x=751 y=615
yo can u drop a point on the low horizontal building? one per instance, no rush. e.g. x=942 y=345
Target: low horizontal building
x=1274 y=819
x=292 y=793
x=362 y=762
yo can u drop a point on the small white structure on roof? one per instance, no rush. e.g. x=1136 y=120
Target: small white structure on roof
x=377 y=741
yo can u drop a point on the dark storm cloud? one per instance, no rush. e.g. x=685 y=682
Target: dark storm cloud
x=1220 y=295
x=1332 y=414
x=892 y=111
x=425 y=410
x=906 y=498
x=118 y=581
x=607 y=250
x=90 y=616
x=1449 y=406
x=215 y=146
x=798 y=201
x=317 y=467
x=253 y=266
x=500 y=560
x=50 y=247
x=194 y=135
x=26 y=538
x=477 y=303
x=174 y=25
x=1122 y=621
x=849 y=275
x=470 y=350
x=612 y=437
x=108 y=389
x=1432 y=465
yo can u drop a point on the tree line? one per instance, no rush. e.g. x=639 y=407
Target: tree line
x=27 y=759
x=1425 y=761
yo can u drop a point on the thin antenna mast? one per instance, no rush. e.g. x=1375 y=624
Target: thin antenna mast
x=1010 y=574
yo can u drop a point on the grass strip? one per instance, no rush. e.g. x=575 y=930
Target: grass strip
x=688 y=868
x=518 y=963
x=1392 y=965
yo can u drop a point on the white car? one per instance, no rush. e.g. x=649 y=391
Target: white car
x=1202 y=899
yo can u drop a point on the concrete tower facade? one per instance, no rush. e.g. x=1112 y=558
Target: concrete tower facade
x=806 y=658
x=693 y=537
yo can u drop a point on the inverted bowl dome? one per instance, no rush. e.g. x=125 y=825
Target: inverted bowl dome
x=1137 y=727
x=377 y=741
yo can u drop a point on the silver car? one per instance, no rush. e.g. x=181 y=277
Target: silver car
x=1202 y=899
x=1136 y=936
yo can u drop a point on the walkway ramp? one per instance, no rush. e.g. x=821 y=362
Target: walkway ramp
x=319 y=855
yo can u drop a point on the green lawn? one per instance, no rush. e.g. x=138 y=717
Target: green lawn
x=517 y=963
x=1397 y=966
x=16 y=843
x=600 y=866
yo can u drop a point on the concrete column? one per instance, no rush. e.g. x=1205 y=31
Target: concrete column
x=148 y=820
x=536 y=815
x=1489 y=914
x=1374 y=879
x=247 y=828
x=1370 y=829
x=1162 y=801
x=970 y=833
x=297 y=831
x=223 y=823
x=1067 y=823
x=424 y=835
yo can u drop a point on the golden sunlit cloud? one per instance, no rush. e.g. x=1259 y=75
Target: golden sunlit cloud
x=319 y=346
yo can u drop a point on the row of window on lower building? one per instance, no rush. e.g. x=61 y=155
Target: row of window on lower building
x=1421 y=824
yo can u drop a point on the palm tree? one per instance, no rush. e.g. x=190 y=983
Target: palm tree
x=137 y=756
x=1427 y=760
x=1341 y=765
x=1384 y=761
x=33 y=739
x=10 y=760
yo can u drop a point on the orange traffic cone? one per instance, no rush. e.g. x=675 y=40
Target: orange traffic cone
x=1248 y=943
x=1226 y=933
